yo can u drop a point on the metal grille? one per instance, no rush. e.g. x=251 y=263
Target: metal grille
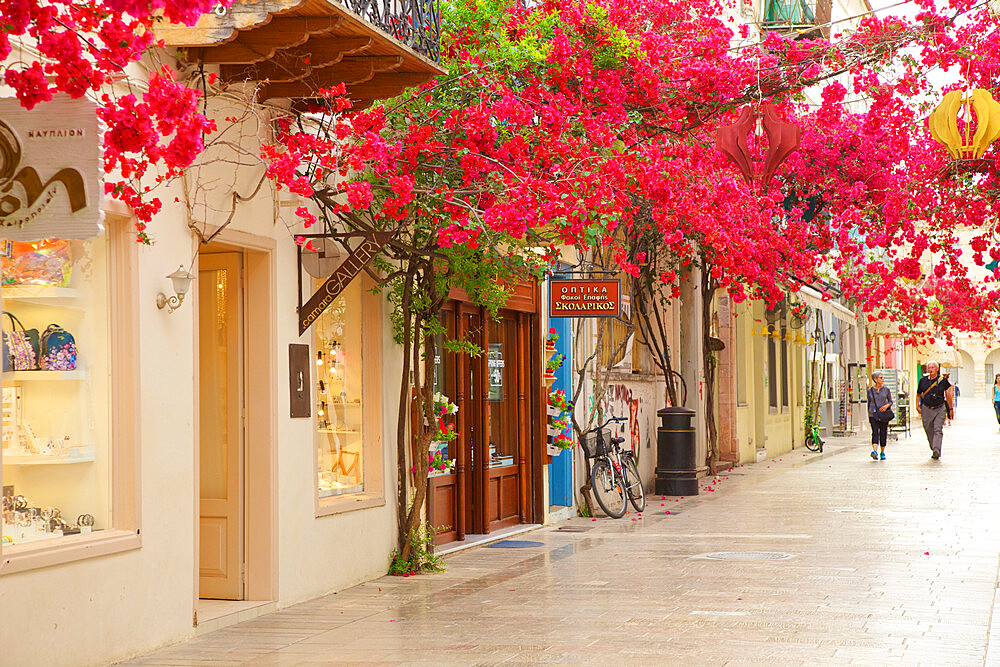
x=415 y=23
x=748 y=555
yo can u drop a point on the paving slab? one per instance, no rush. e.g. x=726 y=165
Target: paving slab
x=889 y=562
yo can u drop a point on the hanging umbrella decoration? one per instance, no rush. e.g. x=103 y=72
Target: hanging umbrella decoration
x=782 y=139
x=979 y=114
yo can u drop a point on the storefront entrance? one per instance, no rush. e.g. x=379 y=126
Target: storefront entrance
x=220 y=346
x=235 y=485
x=496 y=462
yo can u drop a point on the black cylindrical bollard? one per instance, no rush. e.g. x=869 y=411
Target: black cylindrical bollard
x=676 y=468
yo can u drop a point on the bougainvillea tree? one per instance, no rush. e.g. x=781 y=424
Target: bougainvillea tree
x=590 y=124
x=48 y=47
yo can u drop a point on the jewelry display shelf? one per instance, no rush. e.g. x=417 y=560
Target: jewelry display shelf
x=86 y=456
x=45 y=376
x=341 y=491
x=63 y=297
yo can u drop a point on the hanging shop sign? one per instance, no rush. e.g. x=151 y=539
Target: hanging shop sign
x=341 y=278
x=585 y=298
x=50 y=163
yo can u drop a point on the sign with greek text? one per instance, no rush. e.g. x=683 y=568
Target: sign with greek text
x=341 y=278
x=584 y=298
x=50 y=169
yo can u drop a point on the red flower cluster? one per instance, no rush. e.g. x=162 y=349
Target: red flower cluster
x=87 y=46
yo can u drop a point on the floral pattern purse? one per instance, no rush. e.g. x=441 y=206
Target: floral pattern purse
x=20 y=347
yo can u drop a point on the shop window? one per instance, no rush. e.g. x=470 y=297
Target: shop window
x=56 y=421
x=739 y=366
x=785 y=370
x=502 y=391
x=67 y=457
x=339 y=396
x=772 y=372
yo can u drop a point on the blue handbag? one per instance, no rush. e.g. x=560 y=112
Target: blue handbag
x=58 y=349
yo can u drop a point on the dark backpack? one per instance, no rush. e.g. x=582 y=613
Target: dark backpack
x=58 y=349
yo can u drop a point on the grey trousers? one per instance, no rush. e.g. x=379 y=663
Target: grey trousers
x=933 y=419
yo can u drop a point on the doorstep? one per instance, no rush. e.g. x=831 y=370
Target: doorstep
x=215 y=614
x=471 y=541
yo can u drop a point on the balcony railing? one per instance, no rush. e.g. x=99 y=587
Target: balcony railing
x=415 y=23
x=798 y=16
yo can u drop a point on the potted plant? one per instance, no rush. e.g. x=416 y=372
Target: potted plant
x=557 y=426
x=557 y=403
x=550 y=340
x=562 y=441
x=551 y=365
x=437 y=449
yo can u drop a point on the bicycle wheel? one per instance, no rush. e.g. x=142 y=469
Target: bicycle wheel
x=813 y=442
x=633 y=483
x=608 y=489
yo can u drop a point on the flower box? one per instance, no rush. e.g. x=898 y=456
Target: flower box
x=552 y=411
x=553 y=431
x=552 y=450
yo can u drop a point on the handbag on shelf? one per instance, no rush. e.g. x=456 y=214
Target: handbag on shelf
x=20 y=348
x=58 y=349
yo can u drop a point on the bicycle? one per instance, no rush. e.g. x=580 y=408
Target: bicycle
x=614 y=476
x=814 y=443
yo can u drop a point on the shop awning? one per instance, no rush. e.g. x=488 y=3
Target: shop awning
x=813 y=298
x=940 y=352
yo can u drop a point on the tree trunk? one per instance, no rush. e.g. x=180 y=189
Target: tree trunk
x=709 y=364
x=402 y=495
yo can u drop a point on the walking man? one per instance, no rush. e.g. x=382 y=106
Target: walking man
x=935 y=401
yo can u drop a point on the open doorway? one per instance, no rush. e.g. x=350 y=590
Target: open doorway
x=236 y=555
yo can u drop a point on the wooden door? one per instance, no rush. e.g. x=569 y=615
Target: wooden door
x=220 y=348
x=505 y=417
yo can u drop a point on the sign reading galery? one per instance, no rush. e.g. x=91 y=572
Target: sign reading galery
x=584 y=297
x=341 y=278
x=50 y=170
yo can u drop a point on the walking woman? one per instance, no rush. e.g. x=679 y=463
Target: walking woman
x=996 y=396
x=880 y=414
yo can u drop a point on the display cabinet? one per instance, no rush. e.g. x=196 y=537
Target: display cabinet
x=56 y=389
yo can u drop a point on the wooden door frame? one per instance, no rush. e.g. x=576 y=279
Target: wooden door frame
x=260 y=580
x=472 y=483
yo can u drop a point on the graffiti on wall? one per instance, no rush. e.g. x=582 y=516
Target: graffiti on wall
x=620 y=401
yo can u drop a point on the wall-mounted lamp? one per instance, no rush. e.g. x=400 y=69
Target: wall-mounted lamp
x=181 y=278
x=832 y=337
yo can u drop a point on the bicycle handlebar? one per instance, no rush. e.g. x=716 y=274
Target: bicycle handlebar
x=617 y=420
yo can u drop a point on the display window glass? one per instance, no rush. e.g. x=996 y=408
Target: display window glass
x=57 y=451
x=501 y=367
x=339 y=393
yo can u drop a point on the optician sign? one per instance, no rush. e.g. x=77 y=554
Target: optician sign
x=584 y=298
x=50 y=168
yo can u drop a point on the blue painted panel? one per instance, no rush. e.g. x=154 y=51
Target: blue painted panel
x=561 y=469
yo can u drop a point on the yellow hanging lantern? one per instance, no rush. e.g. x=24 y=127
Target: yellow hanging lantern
x=963 y=144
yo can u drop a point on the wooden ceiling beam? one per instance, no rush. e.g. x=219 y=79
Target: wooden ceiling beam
x=260 y=44
x=350 y=74
x=281 y=70
x=387 y=85
x=377 y=86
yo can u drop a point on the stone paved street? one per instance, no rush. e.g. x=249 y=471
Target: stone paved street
x=891 y=562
